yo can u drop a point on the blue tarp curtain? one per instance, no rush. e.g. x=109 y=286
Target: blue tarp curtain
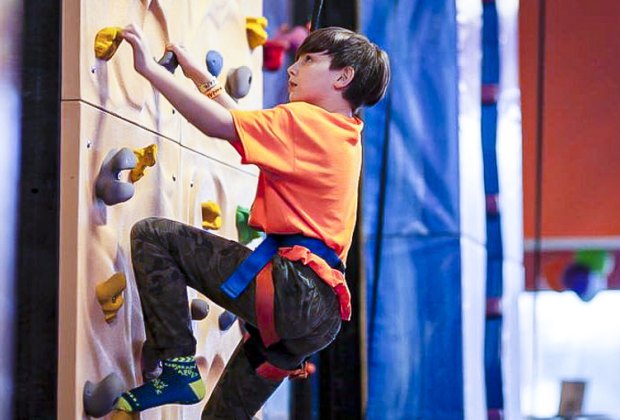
x=411 y=216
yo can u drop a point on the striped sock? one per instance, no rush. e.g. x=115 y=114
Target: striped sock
x=179 y=383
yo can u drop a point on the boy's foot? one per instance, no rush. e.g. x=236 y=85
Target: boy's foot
x=179 y=383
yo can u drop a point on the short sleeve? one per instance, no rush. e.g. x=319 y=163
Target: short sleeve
x=267 y=138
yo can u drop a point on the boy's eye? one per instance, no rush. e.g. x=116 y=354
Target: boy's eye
x=307 y=58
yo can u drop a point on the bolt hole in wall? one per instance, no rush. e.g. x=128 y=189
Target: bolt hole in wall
x=570 y=328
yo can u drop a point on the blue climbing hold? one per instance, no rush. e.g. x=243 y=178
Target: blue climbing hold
x=226 y=320
x=215 y=62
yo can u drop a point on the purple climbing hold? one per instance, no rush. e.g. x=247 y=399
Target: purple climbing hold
x=226 y=320
x=199 y=309
x=215 y=62
x=169 y=61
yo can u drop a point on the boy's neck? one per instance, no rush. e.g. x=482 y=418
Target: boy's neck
x=336 y=107
x=346 y=111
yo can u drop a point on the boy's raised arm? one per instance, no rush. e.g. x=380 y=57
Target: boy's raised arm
x=197 y=73
x=208 y=116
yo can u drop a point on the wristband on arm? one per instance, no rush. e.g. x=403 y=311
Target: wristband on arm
x=212 y=88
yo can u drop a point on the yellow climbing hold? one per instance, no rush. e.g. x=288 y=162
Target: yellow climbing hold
x=255 y=29
x=107 y=41
x=211 y=215
x=124 y=415
x=146 y=157
x=110 y=295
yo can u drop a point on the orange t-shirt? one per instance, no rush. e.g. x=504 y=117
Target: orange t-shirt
x=310 y=161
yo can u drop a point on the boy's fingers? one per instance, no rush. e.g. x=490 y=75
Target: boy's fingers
x=132 y=30
x=174 y=48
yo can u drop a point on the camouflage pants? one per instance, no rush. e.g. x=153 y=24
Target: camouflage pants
x=169 y=256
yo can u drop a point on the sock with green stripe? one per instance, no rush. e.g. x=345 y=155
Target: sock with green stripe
x=179 y=383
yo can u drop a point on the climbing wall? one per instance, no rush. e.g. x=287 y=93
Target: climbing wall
x=108 y=112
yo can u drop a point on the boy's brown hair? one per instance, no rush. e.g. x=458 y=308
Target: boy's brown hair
x=347 y=48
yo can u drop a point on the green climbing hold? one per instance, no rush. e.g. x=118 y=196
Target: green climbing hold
x=246 y=233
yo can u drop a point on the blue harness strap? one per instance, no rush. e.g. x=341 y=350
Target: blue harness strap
x=254 y=263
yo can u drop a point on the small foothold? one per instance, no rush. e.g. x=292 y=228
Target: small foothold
x=169 y=61
x=107 y=41
x=238 y=82
x=273 y=55
x=174 y=178
x=199 y=309
x=110 y=295
x=99 y=398
x=108 y=187
x=255 y=30
x=211 y=215
x=246 y=233
x=226 y=320
x=215 y=62
x=146 y=156
x=88 y=144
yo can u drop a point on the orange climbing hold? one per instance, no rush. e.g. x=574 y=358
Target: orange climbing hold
x=107 y=41
x=211 y=215
x=255 y=29
x=110 y=295
x=146 y=157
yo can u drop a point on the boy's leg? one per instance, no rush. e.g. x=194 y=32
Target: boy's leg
x=167 y=257
x=240 y=391
x=307 y=319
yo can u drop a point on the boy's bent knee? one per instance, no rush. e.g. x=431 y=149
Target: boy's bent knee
x=144 y=228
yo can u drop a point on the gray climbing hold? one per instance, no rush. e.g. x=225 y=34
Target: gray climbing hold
x=169 y=61
x=215 y=62
x=99 y=398
x=109 y=188
x=225 y=320
x=238 y=82
x=199 y=309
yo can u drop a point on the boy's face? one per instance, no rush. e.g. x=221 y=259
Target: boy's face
x=310 y=79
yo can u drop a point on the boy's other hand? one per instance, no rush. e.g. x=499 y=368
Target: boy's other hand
x=142 y=59
x=192 y=69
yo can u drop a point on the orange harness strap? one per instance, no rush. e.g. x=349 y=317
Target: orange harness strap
x=274 y=373
x=265 y=315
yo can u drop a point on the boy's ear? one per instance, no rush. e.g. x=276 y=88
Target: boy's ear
x=345 y=78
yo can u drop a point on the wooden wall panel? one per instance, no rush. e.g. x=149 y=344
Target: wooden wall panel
x=106 y=106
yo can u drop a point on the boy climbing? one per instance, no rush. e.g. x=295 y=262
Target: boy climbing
x=291 y=291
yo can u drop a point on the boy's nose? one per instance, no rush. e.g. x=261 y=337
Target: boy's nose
x=291 y=69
